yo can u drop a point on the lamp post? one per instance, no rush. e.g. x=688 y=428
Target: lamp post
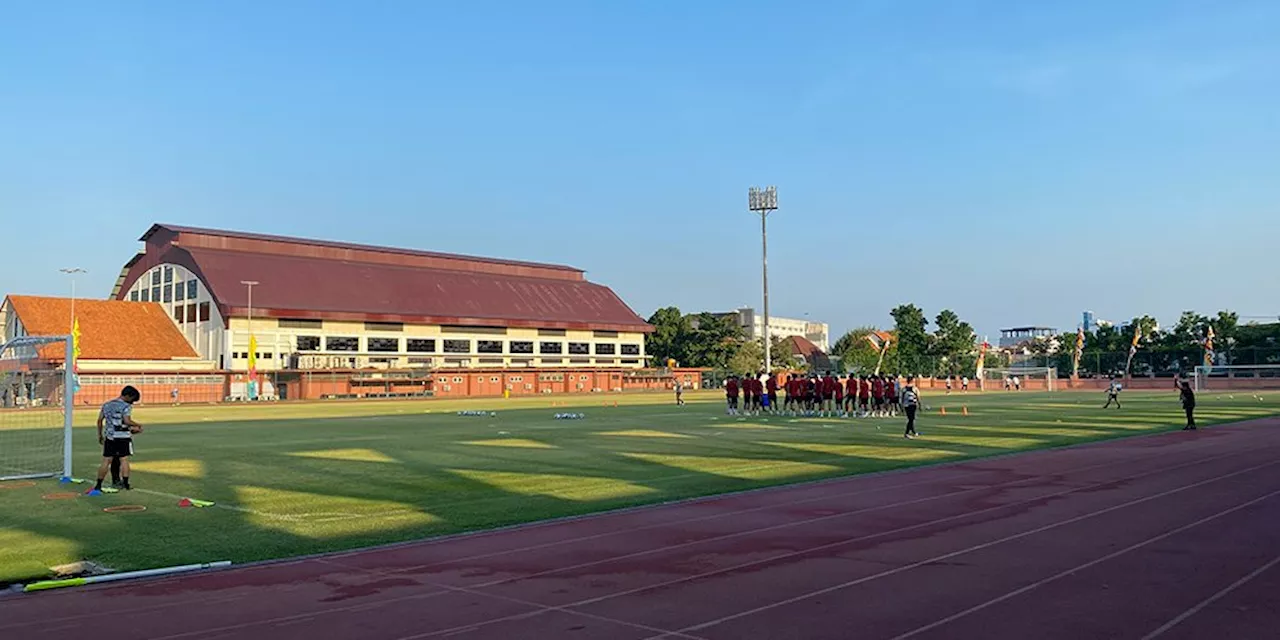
x=253 y=346
x=764 y=201
x=73 y=272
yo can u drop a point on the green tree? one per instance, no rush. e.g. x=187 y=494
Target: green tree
x=913 y=339
x=747 y=358
x=953 y=342
x=670 y=337
x=712 y=341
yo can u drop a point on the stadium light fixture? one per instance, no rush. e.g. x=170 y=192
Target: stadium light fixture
x=764 y=201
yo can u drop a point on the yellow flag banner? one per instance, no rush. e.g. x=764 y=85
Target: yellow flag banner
x=1208 y=348
x=1075 y=362
x=253 y=357
x=1133 y=347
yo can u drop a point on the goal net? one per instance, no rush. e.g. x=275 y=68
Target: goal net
x=1253 y=377
x=35 y=408
x=1024 y=378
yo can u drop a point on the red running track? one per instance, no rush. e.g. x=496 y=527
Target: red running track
x=1169 y=536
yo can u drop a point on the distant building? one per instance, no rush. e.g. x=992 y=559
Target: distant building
x=1017 y=336
x=1088 y=321
x=752 y=323
x=802 y=349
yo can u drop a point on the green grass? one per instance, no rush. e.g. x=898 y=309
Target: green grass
x=294 y=479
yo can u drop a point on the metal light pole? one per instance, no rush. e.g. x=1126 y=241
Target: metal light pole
x=73 y=272
x=764 y=201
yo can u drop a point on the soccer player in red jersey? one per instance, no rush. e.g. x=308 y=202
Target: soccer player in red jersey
x=828 y=394
x=851 y=396
x=864 y=395
x=731 y=394
x=838 y=397
x=877 y=395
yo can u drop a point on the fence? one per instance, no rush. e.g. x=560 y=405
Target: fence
x=282 y=386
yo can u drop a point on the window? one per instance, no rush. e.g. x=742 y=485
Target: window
x=493 y=379
x=585 y=377
x=301 y=324
x=521 y=347
x=384 y=345
x=155 y=277
x=179 y=314
x=168 y=275
x=457 y=380
x=579 y=348
x=342 y=344
x=606 y=349
x=457 y=346
x=384 y=326
x=191 y=313
x=606 y=334
x=489 y=346
x=517 y=379
x=308 y=343
x=419 y=345
x=550 y=332
x=191 y=289
x=204 y=312
x=146 y=295
x=630 y=349
x=178 y=291
x=551 y=347
x=168 y=293
x=155 y=294
x=133 y=295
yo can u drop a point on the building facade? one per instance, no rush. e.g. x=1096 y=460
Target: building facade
x=1017 y=336
x=752 y=324
x=317 y=305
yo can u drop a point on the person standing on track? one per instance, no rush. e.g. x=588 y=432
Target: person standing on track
x=679 y=394
x=910 y=404
x=1189 y=405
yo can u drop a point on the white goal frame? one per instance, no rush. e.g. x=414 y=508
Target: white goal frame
x=30 y=345
x=1050 y=375
x=1205 y=375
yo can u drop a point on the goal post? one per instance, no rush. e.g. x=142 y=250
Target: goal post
x=1244 y=377
x=37 y=401
x=1030 y=378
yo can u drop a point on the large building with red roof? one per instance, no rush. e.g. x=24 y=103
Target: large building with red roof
x=320 y=305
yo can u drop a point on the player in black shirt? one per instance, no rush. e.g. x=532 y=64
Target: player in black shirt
x=1189 y=405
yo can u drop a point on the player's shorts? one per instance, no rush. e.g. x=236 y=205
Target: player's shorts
x=117 y=448
x=893 y=399
x=773 y=399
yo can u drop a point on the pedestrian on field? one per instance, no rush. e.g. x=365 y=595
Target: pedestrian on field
x=1189 y=405
x=910 y=403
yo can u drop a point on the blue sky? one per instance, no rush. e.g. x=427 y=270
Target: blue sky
x=1017 y=162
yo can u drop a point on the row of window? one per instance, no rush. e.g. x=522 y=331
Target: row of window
x=167 y=293
x=396 y=327
x=191 y=312
x=428 y=345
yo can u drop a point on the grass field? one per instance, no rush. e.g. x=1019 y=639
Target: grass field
x=293 y=479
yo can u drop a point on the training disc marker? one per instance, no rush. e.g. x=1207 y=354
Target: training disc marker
x=125 y=508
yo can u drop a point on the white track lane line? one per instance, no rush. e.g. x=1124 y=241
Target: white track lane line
x=1211 y=599
x=953 y=554
x=1062 y=574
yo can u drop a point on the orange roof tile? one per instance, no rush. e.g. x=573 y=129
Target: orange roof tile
x=109 y=329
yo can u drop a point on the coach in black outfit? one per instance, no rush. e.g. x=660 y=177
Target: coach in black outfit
x=1189 y=405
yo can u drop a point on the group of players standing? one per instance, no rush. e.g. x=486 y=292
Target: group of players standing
x=826 y=395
